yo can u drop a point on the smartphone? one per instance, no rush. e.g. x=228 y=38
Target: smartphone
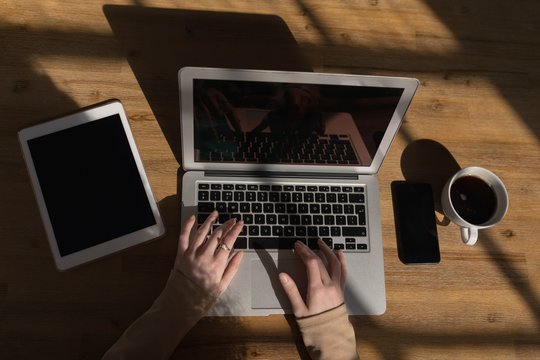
x=416 y=229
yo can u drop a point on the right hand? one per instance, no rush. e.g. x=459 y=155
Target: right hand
x=325 y=287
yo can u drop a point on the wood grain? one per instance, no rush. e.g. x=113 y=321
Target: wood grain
x=477 y=105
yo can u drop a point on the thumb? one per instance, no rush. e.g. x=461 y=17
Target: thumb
x=298 y=306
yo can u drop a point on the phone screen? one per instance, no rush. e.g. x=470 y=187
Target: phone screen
x=416 y=230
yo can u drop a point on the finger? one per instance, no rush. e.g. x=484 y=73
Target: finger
x=334 y=266
x=341 y=257
x=183 y=238
x=299 y=308
x=314 y=265
x=229 y=239
x=214 y=239
x=202 y=231
x=230 y=271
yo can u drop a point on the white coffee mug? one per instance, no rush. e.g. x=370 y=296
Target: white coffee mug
x=474 y=198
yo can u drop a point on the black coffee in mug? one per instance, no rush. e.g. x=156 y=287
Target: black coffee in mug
x=473 y=199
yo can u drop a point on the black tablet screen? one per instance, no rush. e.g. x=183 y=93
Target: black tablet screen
x=90 y=183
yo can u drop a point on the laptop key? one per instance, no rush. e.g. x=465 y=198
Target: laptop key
x=328 y=241
x=253 y=230
x=227 y=196
x=238 y=196
x=201 y=218
x=301 y=231
x=288 y=230
x=240 y=243
x=204 y=195
x=205 y=207
x=272 y=242
x=312 y=243
x=354 y=231
x=318 y=220
x=266 y=230
x=273 y=197
x=283 y=219
x=271 y=219
x=356 y=198
x=295 y=219
x=277 y=230
x=268 y=208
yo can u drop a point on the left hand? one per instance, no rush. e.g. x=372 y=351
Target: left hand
x=201 y=258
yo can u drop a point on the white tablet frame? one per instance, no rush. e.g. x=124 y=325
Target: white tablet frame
x=97 y=112
x=186 y=76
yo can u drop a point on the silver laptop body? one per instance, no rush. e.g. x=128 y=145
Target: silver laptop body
x=310 y=135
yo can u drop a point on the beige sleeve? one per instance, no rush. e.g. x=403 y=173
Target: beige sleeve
x=158 y=331
x=329 y=335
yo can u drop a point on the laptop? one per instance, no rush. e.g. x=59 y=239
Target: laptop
x=295 y=155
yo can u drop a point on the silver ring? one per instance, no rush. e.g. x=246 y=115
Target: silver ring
x=223 y=246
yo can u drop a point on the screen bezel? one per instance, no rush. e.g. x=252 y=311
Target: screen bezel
x=92 y=253
x=188 y=74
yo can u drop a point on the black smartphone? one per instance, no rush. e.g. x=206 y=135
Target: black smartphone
x=416 y=229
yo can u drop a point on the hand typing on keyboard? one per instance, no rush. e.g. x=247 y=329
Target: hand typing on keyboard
x=204 y=258
x=325 y=284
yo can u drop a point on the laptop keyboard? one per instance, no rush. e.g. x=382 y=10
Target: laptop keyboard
x=277 y=215
x=283 y=148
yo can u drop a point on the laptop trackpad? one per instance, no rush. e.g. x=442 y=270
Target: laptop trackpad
x=266 y=290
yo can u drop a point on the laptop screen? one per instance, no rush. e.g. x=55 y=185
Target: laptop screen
x=290 y=123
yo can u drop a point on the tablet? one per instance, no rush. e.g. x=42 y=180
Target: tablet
x=90 y=185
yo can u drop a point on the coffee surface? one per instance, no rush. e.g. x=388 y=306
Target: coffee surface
x=473 y=199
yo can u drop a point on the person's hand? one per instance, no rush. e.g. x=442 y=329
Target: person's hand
x=325 y=286
x=205 y=259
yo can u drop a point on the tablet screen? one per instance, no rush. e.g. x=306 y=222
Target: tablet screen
x=91 y=184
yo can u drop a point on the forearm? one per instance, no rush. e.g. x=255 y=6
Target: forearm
x=329 y=335
x=158 y=331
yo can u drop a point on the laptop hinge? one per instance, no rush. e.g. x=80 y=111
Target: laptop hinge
x=278 y=174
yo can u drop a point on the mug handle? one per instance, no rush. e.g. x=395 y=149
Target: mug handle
x=469 y=235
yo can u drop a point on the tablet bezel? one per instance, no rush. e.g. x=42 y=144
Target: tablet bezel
x=186 y=76
x=87 y=115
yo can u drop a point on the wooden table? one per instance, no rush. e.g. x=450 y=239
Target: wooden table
x=478 y=63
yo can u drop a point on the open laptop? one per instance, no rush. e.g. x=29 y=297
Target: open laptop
x=295 y=156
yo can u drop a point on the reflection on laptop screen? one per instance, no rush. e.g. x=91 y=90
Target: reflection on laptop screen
x=290 y=123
